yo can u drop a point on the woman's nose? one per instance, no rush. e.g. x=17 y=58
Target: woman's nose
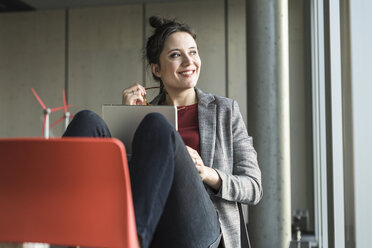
x=187 y=60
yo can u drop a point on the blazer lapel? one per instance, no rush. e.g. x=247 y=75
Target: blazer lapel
x=207 y=126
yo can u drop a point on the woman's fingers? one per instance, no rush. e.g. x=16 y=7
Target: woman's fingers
x=195 y=156
x=133 y=98
x=134 y=95
x=136 y=87
x=208 y=175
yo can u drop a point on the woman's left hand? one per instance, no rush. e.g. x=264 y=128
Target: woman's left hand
x=207 y=174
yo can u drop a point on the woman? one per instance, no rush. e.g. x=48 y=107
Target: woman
x=217 y=145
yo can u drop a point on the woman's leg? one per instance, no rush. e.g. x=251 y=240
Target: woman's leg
x=86 y=123
x=172 y=207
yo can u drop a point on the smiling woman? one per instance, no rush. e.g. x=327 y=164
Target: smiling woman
x=186 y=184
x=230 y=170
x=180 y=67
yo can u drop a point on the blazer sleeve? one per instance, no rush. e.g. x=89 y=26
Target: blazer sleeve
x=244 y=183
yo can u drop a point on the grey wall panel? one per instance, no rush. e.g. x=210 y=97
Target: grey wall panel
x=104 y=54
x=207 y=18
x=237 y=54
x=302 y=180
x=31 y=55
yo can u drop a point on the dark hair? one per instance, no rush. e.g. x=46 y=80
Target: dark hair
x=155 y=43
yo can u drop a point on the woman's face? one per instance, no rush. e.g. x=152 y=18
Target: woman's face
x=179 y=62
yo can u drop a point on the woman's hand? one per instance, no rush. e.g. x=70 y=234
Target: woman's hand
x=208 y=175
x=134 y=95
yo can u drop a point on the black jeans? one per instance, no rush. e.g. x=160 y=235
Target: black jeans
x=172 y=207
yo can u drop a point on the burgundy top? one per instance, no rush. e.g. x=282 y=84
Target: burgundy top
x=188 y=125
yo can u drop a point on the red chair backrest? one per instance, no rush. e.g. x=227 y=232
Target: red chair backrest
x=66 y=191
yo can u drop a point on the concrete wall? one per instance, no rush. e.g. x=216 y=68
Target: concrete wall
x=32 y=54
x=104 y=54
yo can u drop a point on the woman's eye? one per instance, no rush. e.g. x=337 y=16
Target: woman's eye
x=174 y=55
x=193 y=52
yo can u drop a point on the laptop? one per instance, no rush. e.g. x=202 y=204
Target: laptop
x=123 y=120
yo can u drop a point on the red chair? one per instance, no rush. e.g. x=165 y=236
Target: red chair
x=70 y=191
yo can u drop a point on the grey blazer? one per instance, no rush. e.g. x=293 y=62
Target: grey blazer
x=226 y=147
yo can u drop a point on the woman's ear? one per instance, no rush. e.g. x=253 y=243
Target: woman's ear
x=155 y=70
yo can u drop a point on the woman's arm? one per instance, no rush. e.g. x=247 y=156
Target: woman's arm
x=243 y=182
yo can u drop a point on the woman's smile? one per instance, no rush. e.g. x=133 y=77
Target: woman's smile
x=187 y=73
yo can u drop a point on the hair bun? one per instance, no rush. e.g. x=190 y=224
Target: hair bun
x=157 y=21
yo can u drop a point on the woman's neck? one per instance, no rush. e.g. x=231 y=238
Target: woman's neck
x=182 y=98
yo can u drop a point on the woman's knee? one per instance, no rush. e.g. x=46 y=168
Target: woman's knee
x=155 y=129
x=156 y=121
x=87 y=115
x=86 y=123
